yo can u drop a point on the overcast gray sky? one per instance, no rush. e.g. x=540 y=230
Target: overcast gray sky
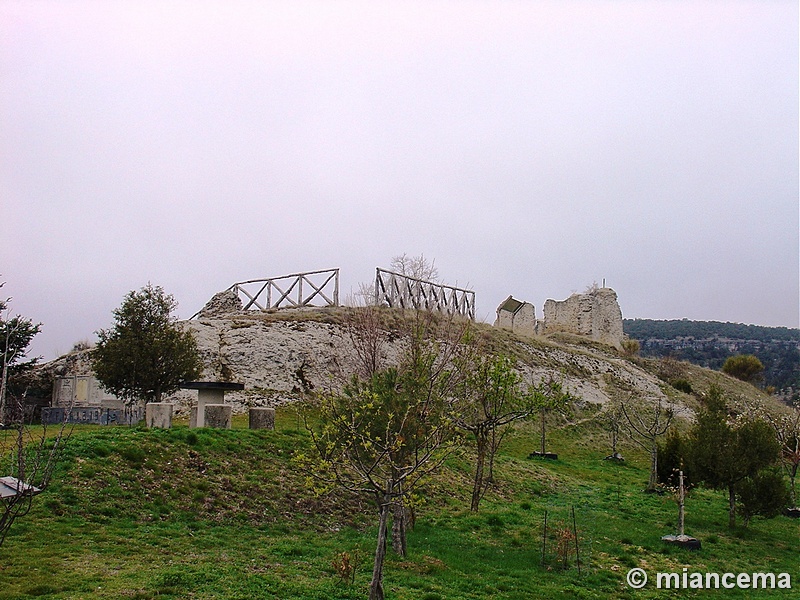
x=530 y=148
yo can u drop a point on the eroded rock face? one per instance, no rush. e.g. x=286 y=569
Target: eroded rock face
x=222 y=304
x=278 y=362
x=281 y=361
x=595 y=314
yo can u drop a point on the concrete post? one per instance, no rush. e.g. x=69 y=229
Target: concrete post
x=262 y=418
x=204 y=398
x=158 y=414
x=218 y=415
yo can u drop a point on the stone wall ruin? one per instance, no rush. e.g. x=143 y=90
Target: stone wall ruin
x=595 y=314
x=516 y=315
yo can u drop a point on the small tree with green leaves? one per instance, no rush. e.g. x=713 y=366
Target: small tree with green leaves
x=671 y=458
x=383 y=434
x=764 y=494
x=146 y=355
x=493 y=399
x=723 y=453
x=16 y=334
x=548 y=397
x=743 y=366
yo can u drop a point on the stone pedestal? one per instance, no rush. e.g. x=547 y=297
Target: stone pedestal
x=158 y=414
x=218 y=415
x=262 y=418
x=206 y=397
x=208 y=393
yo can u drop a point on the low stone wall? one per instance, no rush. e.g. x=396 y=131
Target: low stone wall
x=92 y=415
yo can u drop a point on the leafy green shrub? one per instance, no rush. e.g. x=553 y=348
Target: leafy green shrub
x=630 y=347
x=681 y=385
x=743 y=366
x=671 y=455
x=764 y=494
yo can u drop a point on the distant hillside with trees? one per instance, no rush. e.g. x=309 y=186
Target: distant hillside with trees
x=710 y=343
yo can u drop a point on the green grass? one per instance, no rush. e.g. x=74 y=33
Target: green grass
x=135 y=513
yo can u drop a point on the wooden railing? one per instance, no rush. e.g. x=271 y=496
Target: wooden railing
x=290 y=291
x=402 y=291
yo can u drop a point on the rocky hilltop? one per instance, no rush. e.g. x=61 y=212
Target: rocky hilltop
x=281 y=355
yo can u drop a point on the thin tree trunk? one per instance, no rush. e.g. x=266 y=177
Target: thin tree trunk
x=731 y=507
x=376 y=586
x=399 y=520
x=653 y=484
x=492 y=450
x=4 y=380
x=477 y=486
x=543 y=413
x=681 y=501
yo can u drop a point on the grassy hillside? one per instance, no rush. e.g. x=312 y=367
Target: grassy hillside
x=137 y=513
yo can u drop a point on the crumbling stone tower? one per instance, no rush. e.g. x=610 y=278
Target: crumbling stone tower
x=595 y=314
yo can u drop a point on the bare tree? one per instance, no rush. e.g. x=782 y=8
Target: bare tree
x=417 y=267
x=787 y=430
x=646 y=423
x=613 y=417
x=27 y=459
x=365 y=328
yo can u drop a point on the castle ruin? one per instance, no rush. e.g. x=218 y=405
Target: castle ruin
x=595 y=314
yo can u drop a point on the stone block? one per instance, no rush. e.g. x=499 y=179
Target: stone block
x=262 y=418
x=193 y=417
x=158 y=414
x=218 y=415
x=684 y=541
